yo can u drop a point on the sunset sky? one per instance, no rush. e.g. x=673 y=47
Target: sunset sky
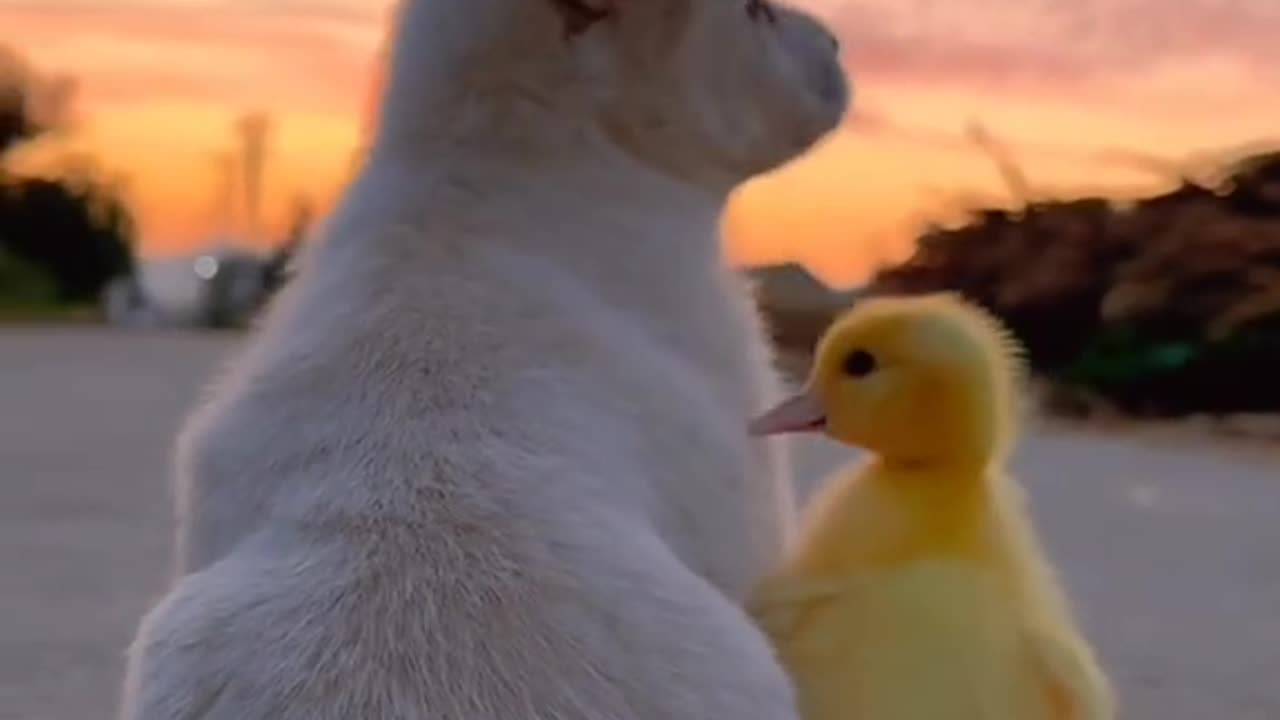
x=1088 y=94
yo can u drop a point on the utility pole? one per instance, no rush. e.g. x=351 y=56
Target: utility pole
x=224 y=198
x=255 y=129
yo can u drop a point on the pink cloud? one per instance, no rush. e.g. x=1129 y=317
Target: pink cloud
x=1052 y=44
x=875 y=123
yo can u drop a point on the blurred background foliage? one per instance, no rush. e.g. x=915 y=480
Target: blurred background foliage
x=62 y=238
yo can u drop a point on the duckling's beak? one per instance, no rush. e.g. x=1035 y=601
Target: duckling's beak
x=800 y=413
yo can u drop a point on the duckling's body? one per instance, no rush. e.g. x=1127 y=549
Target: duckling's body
x=918 y=589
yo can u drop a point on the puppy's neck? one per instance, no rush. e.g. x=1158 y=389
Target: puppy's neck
x=562 y=192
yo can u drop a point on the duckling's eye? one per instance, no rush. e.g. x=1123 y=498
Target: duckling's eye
x=859 y=363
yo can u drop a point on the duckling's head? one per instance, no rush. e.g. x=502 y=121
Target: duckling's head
x=923 y=379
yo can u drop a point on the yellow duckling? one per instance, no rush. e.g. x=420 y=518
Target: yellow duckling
x=918 y=589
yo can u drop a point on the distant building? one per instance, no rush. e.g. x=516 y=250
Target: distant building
x=797 y=304
x=791 y=287
x=218 y=287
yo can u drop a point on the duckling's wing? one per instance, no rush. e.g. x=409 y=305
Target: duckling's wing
x=1075 y=684
x=781 y=603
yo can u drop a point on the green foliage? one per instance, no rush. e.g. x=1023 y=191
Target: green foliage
x=1163 y=375
x=1119 y=355
x=79 y=235
x=61 y=241
x=23 y=284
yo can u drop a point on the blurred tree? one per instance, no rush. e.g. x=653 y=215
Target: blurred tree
x=15 y=121
x=80 y=236
x=30 y=106
x=74 y=232
x=1168 y=305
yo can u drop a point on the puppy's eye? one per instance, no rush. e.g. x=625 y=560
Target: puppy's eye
x=859 y=363
x=761 y=11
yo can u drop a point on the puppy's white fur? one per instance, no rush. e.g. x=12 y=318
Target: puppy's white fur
x=486 y=458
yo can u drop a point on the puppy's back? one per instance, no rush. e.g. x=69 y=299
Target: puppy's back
x=464 y=622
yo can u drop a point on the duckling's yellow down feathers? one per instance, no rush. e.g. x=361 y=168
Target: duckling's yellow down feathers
x=918 y=589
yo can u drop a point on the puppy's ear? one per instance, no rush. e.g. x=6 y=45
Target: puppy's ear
x=578 y=16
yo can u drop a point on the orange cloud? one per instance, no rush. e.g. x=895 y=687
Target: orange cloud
x=312 y=57
x=161 y=84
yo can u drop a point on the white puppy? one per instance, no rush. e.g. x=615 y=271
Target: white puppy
x=487 y=458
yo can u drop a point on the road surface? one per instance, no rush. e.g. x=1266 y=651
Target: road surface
x=1172 y=553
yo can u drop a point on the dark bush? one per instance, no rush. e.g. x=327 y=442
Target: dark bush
x=1166 y=307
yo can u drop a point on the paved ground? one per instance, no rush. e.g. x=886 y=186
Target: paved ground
x=1173 y=553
